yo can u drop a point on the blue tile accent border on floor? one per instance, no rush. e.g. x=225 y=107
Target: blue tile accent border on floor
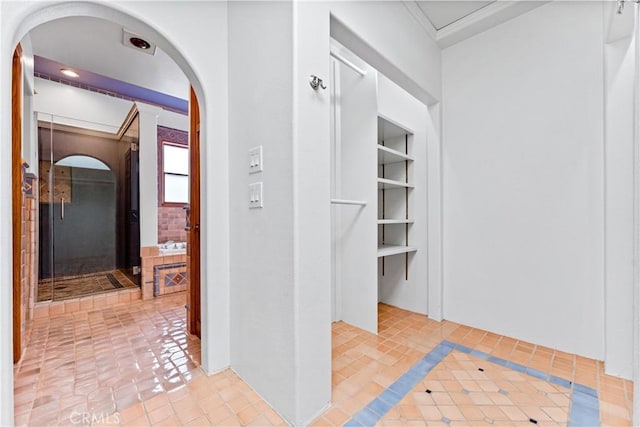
x=584 y=410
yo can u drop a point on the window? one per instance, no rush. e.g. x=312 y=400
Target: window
x=175 y=172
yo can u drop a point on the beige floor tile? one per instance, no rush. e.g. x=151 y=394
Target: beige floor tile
x=116 y=349
x=220 y=414
x=430 y=412
x=102 y=357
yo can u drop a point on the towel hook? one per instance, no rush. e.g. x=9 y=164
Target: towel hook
x=621 y=5
x=315 y=82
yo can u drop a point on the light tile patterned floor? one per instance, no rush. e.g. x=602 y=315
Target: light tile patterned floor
x=133 y=364
x=364 y=365
x=530 y=399
x=458 y=391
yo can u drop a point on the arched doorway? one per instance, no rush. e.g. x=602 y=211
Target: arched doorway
x=213 y=357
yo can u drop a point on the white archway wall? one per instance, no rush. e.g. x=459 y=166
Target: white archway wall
x=200 y=32
x=368 y=22
x=290 y=300
x=203 y=28
x=636 y=279
x=175 y=33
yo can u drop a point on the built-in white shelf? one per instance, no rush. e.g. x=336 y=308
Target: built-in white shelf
x=394 y=221
x=388 y=155
x=387 y=250
x=390 y=184
x=393 y=150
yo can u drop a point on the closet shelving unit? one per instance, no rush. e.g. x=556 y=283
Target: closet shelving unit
x=394 y=185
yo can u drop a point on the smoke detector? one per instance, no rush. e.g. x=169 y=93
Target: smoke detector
x=137 y=42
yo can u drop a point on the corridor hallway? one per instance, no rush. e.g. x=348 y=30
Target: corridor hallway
x=134 y=365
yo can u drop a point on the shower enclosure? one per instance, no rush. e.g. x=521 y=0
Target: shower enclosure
x=89 y=231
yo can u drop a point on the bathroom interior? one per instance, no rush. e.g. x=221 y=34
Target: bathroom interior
x=89 y=213
x=87 y=218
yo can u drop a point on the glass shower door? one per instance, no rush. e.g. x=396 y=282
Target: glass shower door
x=82 y=221
x=46 y=277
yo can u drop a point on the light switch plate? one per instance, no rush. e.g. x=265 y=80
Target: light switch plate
x=255 y=195
x=255 y=159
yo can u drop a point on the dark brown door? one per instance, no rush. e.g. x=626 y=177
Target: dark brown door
x=193 y=241
x=132 y=209
x=16 y=176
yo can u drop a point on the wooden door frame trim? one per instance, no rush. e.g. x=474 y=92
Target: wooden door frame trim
x=16 y=197
x=194 y=315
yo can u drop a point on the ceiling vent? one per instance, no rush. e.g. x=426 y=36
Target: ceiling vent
x=137 y=42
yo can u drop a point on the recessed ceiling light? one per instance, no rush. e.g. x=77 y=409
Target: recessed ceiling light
x=140 y=43
x=69 y=73
x=137 y=42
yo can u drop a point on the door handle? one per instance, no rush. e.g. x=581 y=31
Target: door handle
x=61 y=207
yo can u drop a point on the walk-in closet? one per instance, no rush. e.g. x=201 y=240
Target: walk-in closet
x=379 y=193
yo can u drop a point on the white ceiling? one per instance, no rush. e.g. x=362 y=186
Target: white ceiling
x=450 y=21
x=95 y=45
x=443 y=13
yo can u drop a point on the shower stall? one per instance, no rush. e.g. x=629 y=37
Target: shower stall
x=88 y=222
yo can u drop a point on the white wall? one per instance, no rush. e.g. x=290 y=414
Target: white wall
x=393 y=42
x=311 y=213
x=185 y=42
x=390 y=38
x=523 y=178
x=354 y=162
x=29 y=131
x=293 y=262
x=434 y=214
x=91 y=110
x=148 y=160
x=636 y=281
x=619 y=154
x=262 y=273
x=291 y=234
x=81 y=108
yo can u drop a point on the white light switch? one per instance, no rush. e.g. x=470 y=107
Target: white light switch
x=255 y=195
x=255 y=159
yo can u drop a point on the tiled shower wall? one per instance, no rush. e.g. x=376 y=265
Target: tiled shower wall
x=171 y=223
x=24 y=315
x=28 y=253
x=31 y=255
